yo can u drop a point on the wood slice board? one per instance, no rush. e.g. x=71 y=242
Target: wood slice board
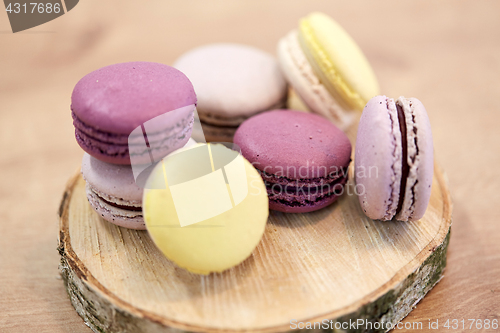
x=333 y=264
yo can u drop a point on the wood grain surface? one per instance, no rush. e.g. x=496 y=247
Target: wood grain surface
x=445 y=53
x=333 y=264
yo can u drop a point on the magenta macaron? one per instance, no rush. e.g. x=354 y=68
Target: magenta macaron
x=302 y=158
x=116 y=107
x=394 y=160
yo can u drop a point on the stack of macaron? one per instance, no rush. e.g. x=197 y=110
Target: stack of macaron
x=241 y=86
x=127 y=117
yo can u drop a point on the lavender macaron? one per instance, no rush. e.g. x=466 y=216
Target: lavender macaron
x=302 y=158
x=126 y=110
x=394 y=160
x=113 y=193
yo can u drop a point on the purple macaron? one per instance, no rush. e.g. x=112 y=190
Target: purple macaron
x=302 y=158
x=394 y=161
x=129 y=105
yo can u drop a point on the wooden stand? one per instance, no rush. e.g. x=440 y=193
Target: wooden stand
x=333 y=264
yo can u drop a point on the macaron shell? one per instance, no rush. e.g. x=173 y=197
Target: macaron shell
x=307 y=85
x=302 y=157
x=216 y=243
x=378 y=154
x=112 y=179
x=420 y=160
x=120 y=217
x=119 y=98
x=282 y=140
x=338 y=60
x=165 y=133
x=115 y=184
x=233 y=81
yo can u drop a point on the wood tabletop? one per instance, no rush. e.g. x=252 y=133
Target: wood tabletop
x=445 y=53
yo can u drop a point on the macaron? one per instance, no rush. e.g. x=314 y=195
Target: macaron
x=205 y=208
x=232 y=82
x=327 y=69
x=302 y=157
x=142 y=110
x=394 y=160
x=114 y=192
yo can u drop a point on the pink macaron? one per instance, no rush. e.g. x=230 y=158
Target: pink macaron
x=394 y=161
x=138 y=110
x=302 y=157
x=233 y=82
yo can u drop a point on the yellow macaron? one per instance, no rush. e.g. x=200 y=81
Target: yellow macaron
x=327 y=69
x=205 y=208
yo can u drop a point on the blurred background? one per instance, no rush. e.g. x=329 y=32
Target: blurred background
x=446 y=53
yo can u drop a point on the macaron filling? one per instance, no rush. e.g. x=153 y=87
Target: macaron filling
x=132 y=208
x=303 y=192
x=404 y=156
x=303 y=196
x=113 y=210
x=116 y=202
x=307 y=85
x=118 y=145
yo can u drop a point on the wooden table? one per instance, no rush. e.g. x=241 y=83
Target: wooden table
x=447 y=54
